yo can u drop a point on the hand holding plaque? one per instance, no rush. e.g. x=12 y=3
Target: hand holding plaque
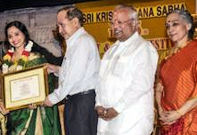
x=24 y=87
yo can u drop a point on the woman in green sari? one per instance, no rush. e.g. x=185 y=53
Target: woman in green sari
x=33 y=120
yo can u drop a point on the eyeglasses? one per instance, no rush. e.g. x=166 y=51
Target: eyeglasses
x=120 y=22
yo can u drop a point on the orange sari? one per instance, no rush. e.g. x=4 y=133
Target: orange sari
x=178 y=75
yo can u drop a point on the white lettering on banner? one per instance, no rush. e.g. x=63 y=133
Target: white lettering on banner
x=161 y=44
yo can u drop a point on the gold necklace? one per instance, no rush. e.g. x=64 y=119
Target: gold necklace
x=176 y=49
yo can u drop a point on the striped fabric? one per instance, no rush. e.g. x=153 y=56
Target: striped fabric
x=178 y=74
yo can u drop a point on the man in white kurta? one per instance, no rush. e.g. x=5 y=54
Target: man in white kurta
x=124 y=100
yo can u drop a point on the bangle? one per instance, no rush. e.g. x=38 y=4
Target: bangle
x=180 y=113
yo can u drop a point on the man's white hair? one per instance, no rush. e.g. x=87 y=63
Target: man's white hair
x=132 y=11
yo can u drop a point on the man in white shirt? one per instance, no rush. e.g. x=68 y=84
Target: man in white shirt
x=77 y=75
x=124 y=96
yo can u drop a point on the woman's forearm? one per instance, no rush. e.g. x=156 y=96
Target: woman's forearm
x=158 y=91
x=188 y=106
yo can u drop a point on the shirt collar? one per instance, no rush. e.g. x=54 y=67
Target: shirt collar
x=74 y=36
x=130 y=39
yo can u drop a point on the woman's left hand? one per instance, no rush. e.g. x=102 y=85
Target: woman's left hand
x=2 y=109
x=169 y=117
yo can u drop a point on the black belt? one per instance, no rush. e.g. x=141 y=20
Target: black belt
x=90 y=91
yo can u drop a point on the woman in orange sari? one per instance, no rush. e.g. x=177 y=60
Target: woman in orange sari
x=176 y=91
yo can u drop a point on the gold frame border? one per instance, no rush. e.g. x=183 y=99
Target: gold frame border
x=41 y=71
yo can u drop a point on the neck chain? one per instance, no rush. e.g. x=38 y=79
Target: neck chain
x=176 y=49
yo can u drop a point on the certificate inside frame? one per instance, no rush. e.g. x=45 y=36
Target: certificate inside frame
x=24 y=87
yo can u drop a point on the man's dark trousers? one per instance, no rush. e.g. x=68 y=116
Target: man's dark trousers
x=80 y=117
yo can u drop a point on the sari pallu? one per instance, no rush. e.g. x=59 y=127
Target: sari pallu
x=178 y=75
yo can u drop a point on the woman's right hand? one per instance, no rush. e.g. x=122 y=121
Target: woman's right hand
x=2 y=109
x=170 y=117
x=32 y=106
x=160 y=111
